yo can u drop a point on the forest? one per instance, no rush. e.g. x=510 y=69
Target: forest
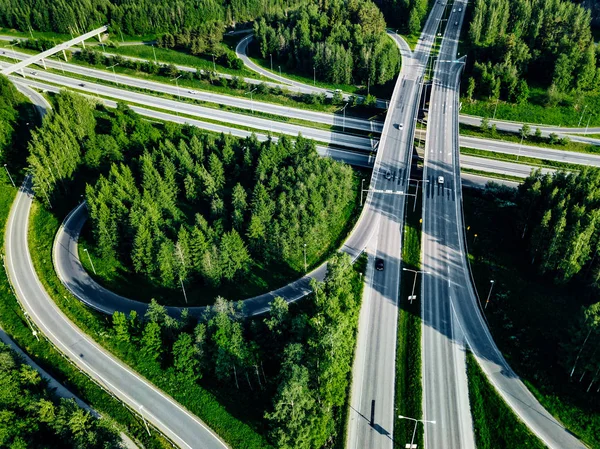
x=32 y=416
x=293 y=365
x=343 y=41
x=406 y=15
x=183 y=207
x=518 y=44
x=142 y=17
x=560 y=221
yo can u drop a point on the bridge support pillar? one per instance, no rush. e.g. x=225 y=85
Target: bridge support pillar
x=65 y=55
x=44 y=64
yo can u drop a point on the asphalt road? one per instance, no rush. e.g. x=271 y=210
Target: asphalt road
x=173 y=420
x=338 y=119
x=452 y=318
x=329 y=137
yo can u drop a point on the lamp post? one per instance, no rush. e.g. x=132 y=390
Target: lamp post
x=114 y=74
x=314 y=76
x=417 y=421
x=90 y=258
x=305 y=268
x=271 y=56
x=251 y=99
x=412 y=297
x=279 y=71
x=588 y=124
x=490 y=293
x=520 y=146
x=344 y=119
x=362 y=189
x=154 y=53
x=417 y=191
x=10 y=177
x=214 y=66
x=177 y=84
x=581 y=118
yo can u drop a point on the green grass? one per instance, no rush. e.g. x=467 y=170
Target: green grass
x=169 y=56
x=120 y=278
x=235 y=422
x=522 y=160
x=47 y=356
x=486 y=174
x=408 y=400
x=495 y=424
x=535 y=110
x=532 y=140
x=529 y=314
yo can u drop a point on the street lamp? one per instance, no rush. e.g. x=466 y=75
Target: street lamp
x=271 y=56
x=581 y=118
x=214 y=66
x=154 y=53
x=177 y=84
x=417 y=421
x=279 y=71
x=10 y=177
x=89 y=257
x=113 y=69
x=314 y=76
x=412 y=296
x=305 y=268
x=489 y=294
x=251 y=100
x=362 y=189
x=344 y=120
x=417 y=191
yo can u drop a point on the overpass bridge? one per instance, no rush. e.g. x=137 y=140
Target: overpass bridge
x=19 y=66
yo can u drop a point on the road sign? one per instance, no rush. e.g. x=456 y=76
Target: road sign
x=411 y=298
x=410 y=446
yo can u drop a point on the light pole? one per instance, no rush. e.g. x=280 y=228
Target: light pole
x=90 y=258
x=417 y=191
x=417 y=421
x=113 y=69
x=581 y=118
x=362 y=189
x=344 y=119
x=496 y=108
x=412 y=297
x=154 y=53
x=520 y=146
x=251 y=100
x=314 y=76
x=305 y=269
x=10 y=177
x=588 y=124
x=271 y=56
x=279 y=71
x=214 y=66
x=177 y=84
x=489 y=294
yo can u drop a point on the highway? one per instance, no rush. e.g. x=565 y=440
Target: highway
x=247 y=103
x=452 y=319
x=272 y=126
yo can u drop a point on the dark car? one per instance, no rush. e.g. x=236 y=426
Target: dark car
x=379 y=264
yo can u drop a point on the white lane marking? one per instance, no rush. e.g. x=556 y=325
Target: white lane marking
x=85 y=337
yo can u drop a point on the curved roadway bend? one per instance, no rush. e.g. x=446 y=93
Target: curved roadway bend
x=173 y=420
x=451 y=313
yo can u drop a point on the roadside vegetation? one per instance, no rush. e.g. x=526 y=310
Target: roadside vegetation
x=539 y=246
x=34 y=417
x=495 y=424
x=528 y=135
x=408 y=401
x=21 y=426
x=521 y=160
x=541 y=66
x=353 y=47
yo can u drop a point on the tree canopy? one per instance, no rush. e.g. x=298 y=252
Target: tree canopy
x=344 y=41
x=31 y=416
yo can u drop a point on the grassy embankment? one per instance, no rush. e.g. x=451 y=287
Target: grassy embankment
x=529 y=314
x=495 y=424
x=121 y=279
x=408 y=401
x=14 y=323
x=522 y=160
x=536 y=110
x=531 y=140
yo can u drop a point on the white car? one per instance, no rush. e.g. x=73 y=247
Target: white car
x=440 y=180
x=459 y=9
